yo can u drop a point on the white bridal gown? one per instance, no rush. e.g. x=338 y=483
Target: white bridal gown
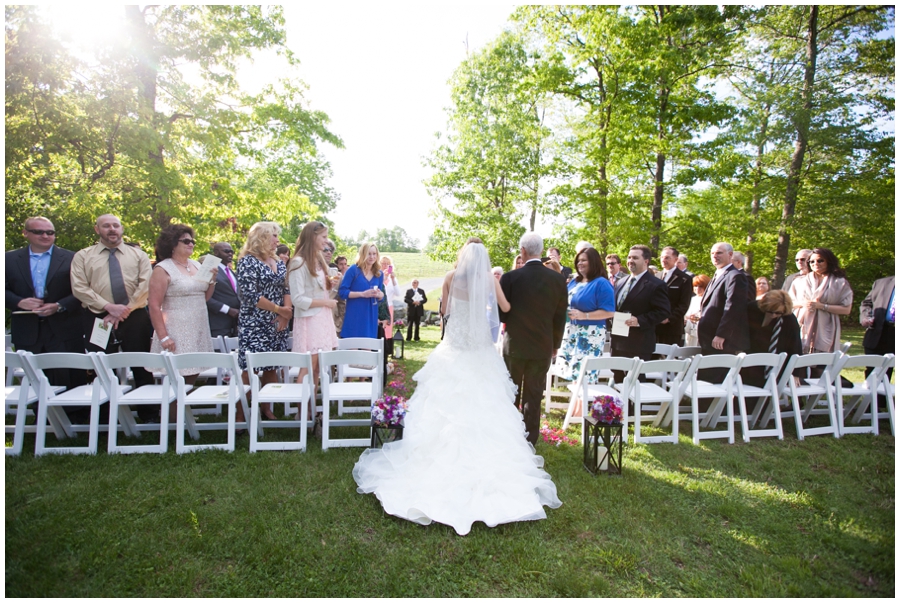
x=463 y=457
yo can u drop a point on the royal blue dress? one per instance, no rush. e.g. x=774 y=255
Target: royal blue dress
x=361 y=317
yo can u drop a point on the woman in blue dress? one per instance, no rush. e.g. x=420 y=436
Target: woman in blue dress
x=591 y=302
x=265 y=302
x=361 y=288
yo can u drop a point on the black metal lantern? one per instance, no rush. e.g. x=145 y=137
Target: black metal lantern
x=398 y=336
x=384 y=434
x=602 y=447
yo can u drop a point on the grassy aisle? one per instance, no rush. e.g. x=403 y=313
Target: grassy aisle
x=812 y=518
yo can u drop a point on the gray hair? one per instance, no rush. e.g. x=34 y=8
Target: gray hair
x=726 y=246
x=581 y=246
x=683 y=258
x=532 y=243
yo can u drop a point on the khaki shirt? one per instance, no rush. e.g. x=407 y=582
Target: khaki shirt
x=90 y=276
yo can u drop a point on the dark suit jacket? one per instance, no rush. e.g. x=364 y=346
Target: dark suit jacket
x=760 y=338
x=876 y=306
x=724 y=313
x=648 y=302
x=414 y=312
x=566 y=271
x=679 y=288
x=219 y=323
x=25 y=328
x=537 y=318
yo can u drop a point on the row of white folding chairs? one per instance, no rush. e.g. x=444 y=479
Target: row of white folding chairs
x=678 y=378
x=105 y=388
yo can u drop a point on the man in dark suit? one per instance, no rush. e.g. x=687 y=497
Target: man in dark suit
x=644 y=297
x=415 y=308
x=37 y=282
x=679 y=289
x=534 y=327
x=224 y=305
x=723 y=320
x=877 y=314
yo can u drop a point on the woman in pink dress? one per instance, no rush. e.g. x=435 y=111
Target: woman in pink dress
x=313 y=294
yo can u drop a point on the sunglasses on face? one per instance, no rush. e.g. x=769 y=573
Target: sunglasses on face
x=817 y=261
x=49 y=233
x=611 y=263
x=187 y=241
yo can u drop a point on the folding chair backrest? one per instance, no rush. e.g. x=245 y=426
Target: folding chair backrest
x=665 y=350
x=764 y=359
x=717 y=361
x=361 y=343
x=218 y=344
x=293 y=359
x=845 y=346
x=878 y=364
x=686 y=352
x=204 y=360
x=337 y=357
x=231 y=344
x=676 y=369
x=9 y=346
x=109 y=364
x=826 y=360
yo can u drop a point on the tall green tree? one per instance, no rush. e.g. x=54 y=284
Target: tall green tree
x=127 y=131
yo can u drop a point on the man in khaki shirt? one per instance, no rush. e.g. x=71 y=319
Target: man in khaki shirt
x=93 y=285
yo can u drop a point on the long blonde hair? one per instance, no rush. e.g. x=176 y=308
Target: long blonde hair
x=305 y=249
x=258 y=243
x=361 y=259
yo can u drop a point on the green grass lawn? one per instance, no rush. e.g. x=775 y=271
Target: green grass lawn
x=766 y=519
x=417 y=265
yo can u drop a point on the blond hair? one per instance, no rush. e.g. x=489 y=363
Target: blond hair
x=258 y=243
x=361 y=259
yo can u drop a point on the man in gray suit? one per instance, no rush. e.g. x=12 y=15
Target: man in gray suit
x=224 y=305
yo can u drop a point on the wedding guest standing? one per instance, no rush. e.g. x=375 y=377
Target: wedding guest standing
x=360 y=287
x=265 y=304
x=822 y=297
x=312 y=294
x=591 y=302
x=224 y=305
x=415 y=308
x=177 y=301
x=692 y=316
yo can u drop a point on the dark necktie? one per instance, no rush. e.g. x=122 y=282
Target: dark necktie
x=116 y=282
x=626 y=288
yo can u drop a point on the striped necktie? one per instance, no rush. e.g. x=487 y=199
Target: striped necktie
x=773 y=342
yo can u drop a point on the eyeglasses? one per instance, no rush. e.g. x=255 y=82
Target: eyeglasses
x=49 y=233
x=611 y=263
x=187 y=241
x=328 y=250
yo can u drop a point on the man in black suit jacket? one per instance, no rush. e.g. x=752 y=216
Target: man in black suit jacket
x=680 y=289
x=877 y=314
x=55 y=322
x=224 y=305
x=415 y=309
x=723 y=320
x=644 y=297
x=534 y=326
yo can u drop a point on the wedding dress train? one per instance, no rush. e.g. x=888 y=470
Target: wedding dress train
x=463 y=457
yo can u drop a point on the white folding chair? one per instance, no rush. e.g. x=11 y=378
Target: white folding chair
x=582 y=391
x=288 y=393
x=719 y=394
x=154 y=395
x=218 y=345
x=359 y=372
x=886 y=389
x=231 y=395
x=368 y=391
x=551 y=391
x=686 y=352
x=667 y=352
x=845 y=346
x=771 y=365
x=18 y=397
x=661 y=400
x=864 y=395
x=50 y=407
x=231 y=344
x=812 y=390
x=12 y=373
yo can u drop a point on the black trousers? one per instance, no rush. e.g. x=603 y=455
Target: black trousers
x=132 y=335
x=530 y=377
x=409 y=328
x=886 y=345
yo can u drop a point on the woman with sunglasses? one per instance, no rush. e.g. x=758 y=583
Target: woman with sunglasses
x=177 y=302
x=820 y=299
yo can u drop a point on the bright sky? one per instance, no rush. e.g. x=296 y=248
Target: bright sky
x=380 y=72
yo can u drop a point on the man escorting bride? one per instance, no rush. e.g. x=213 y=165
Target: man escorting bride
x=464 y=456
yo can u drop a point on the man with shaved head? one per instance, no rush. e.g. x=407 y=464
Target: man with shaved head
x=46 y=316
x=112 y=280
x=224 y=305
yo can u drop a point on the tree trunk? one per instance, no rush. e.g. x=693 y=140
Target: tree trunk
x=794 y=174
x=757 y=179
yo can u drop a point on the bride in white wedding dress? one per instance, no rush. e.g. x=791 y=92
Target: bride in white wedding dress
x=463 y=457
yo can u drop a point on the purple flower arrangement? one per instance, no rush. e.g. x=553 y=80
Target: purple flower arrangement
x=607 y=409
x=389 y=411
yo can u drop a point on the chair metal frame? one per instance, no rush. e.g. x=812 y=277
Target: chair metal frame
x=287 y=393
x=344 y=391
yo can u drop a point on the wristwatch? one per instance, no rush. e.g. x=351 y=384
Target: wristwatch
x=60 y=307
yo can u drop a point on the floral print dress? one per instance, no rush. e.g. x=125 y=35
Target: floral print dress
x=257 y=328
